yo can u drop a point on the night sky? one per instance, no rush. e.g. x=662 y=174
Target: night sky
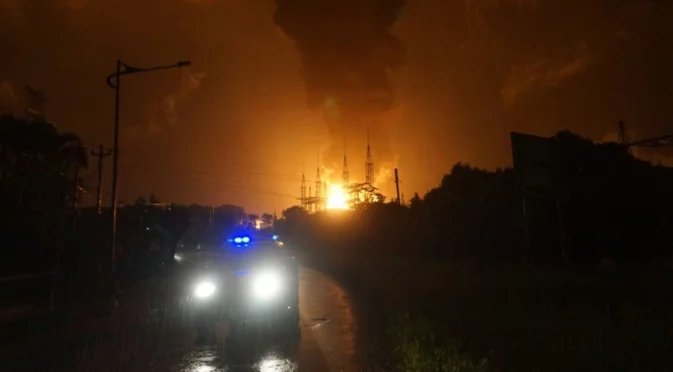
x=274 y=84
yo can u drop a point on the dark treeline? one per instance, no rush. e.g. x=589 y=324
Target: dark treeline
x=608 y=204
x=149 y=232
x=447 y=269
x=210 y=225
x=39 y=177
x=44 y=229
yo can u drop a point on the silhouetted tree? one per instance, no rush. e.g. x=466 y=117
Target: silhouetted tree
x=267 y=219
x=608 y=203
x=415 y=202
x=148 y=233
x=39 y=177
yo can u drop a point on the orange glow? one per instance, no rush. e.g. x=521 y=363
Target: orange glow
x=337 y=198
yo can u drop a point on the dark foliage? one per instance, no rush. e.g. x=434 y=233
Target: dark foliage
x=210 y=226
x=39 y=176
x=606 y=204
x=148 y=233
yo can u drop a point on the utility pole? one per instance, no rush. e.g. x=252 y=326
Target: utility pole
x=74 y=198
x=36 y=102
x=114 y=82
x=212 y=217
x=115 y=164
x=397 y=186
x=318 y=185
x=101 y=154
x=345 y=173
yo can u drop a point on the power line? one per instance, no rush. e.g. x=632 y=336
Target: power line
x=220 y=185
x=222 y=172
x=22 y=54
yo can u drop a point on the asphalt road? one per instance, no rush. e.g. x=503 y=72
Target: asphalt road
x=327 y=341
x=151 y=333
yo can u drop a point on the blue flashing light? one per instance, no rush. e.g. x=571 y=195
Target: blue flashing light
x=238 y=240
x=275 y=237
x=245 y=239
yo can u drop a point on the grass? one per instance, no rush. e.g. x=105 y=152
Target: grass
x=522 y=317
x=417 y=348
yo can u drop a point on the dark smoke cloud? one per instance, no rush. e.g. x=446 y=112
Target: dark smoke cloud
x=347 y=53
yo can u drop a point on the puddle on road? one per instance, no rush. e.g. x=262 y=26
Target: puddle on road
x=273 y=362
x=328 y=335
x=316 y=323
x=328 y=314
x=208 y=361
x=164 y=340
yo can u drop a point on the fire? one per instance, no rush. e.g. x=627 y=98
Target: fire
x=337 y=198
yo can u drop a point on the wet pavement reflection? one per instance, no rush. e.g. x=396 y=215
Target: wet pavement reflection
x=327 y=341
x=147 y=335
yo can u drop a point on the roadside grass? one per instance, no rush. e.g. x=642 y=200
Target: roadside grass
x=523 y=318
x=417 y=347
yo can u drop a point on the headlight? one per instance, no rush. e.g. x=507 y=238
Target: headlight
x=266 y=285
x=204 y=289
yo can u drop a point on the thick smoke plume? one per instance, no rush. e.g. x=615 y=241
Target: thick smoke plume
x=347 y=53
x=544 y=72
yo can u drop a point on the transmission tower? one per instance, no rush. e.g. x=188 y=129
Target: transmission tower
x=324 y=199
x=303 y=196
x=344 y=174
x=369 y=164
x=318 y=188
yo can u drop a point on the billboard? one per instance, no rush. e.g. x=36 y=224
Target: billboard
x=533 y=160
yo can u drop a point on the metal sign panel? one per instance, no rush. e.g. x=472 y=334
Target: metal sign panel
x=533 y=160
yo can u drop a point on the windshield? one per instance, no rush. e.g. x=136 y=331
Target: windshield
x=231 y=256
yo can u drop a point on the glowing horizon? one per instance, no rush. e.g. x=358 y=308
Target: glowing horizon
x=337 y=198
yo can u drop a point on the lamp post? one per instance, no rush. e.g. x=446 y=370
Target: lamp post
x=113 y=81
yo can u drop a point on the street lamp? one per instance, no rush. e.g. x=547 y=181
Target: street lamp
x=113 y=80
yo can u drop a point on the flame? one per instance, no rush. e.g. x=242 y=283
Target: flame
x=337 y=198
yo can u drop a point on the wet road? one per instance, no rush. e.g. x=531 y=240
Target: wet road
x=146 y=336
x=327 y=341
